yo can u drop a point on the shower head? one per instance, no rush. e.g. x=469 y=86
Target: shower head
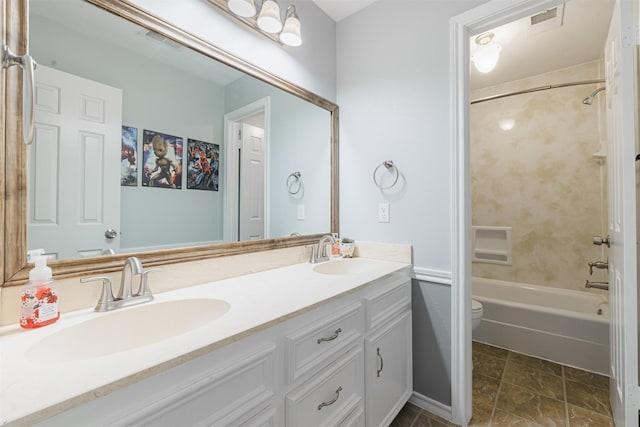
x=589 y=99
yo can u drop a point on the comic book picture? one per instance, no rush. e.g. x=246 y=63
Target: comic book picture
x=128 y=157
x=203 y=165
x=162 y=160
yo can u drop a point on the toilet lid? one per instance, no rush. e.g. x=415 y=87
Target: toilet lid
x=476 y=305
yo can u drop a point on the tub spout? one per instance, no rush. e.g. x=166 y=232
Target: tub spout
x=597 y=285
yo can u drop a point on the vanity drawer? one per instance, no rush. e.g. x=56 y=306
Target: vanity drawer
x=386 y=302
x=331 y=398
x=308 y=348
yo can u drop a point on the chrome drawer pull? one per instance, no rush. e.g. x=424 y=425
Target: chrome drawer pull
x=332 y=401
x=332 y=337
x=381 y=363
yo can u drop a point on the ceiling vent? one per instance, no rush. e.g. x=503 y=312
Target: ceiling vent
x=546 y=20
x=161 y=39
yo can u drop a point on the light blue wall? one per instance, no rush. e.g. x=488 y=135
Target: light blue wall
x=300 y=137
x=393 y=85
x=151 y=92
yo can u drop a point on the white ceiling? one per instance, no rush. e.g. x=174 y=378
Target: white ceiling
x=524 y=53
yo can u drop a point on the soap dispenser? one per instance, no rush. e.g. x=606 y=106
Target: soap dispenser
x=38 y=298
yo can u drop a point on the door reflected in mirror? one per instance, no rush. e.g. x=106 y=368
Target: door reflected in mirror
x=166 y=146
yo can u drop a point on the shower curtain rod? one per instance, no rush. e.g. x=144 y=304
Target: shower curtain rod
x=536 y=89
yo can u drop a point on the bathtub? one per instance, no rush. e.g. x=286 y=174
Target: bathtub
x=564 y=326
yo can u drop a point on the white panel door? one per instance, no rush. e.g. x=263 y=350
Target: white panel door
x=252 y=183
x=619 y=64
x=74 y=165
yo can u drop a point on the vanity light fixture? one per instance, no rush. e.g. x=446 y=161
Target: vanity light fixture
x=265 y=19
x=243 y=8
x=486 y=53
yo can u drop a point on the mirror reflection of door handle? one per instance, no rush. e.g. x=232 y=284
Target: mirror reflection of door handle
x=28 y=83
x=111 y=234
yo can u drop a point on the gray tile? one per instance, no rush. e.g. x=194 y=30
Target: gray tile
x=588 y=397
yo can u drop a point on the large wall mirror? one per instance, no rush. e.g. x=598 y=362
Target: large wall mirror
x=150 y=141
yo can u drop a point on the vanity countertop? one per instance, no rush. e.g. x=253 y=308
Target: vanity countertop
x=39 y=389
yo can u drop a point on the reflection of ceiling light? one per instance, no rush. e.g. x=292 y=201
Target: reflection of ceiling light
x=485 y=55
x=506 y=124
x=267 y=21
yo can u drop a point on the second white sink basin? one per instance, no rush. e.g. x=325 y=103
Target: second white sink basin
x=126 y=329
x=345 y=266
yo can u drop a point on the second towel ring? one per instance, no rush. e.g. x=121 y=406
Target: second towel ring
x=292 y=188
x=389 y=166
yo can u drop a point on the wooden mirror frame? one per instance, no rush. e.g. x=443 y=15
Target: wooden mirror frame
x=13 y=155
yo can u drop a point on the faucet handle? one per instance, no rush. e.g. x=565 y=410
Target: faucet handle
x=144 y=281
x=107 y=293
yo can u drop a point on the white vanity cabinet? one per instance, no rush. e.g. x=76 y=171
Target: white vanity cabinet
x=388 y=353
x=346 y=362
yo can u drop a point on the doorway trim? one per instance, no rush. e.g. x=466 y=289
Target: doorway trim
x=232 y=121
x=461 y=27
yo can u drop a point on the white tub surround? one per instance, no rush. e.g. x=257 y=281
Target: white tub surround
x=561 y=325
x=38 y=389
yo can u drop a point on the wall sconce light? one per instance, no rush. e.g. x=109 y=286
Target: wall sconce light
x=486 y=54
x=265 y=19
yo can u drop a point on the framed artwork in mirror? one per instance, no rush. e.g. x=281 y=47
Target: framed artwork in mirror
x=128 y=157
x=162 y=160
x=203 y=165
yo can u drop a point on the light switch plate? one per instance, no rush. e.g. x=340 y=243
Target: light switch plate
x=300 y=212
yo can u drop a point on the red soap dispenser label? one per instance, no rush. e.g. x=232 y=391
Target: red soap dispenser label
x=38 y=307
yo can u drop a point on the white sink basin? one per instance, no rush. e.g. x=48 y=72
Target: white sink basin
x=126 y=329
x=345 y=266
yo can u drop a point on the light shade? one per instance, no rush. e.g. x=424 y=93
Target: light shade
x=244 y=8
x=486 y=54
x=291 y=35
x=269 y=19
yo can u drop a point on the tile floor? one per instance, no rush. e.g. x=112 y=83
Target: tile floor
x=514 y=390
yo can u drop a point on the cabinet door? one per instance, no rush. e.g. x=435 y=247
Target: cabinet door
x=388 y=370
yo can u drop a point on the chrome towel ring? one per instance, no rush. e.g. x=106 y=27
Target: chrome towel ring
x=391 y=168
x=294 y=184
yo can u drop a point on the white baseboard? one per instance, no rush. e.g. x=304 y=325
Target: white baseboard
x=430 y=405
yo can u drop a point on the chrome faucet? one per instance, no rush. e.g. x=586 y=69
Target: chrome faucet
x=597 y=285
x=319 y=251
x=602 y=265
x=132 y=267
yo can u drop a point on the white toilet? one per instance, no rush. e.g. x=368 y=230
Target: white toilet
x=476 y=313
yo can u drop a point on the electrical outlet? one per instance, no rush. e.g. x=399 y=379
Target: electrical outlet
x=383 y=212
x=300 y=212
